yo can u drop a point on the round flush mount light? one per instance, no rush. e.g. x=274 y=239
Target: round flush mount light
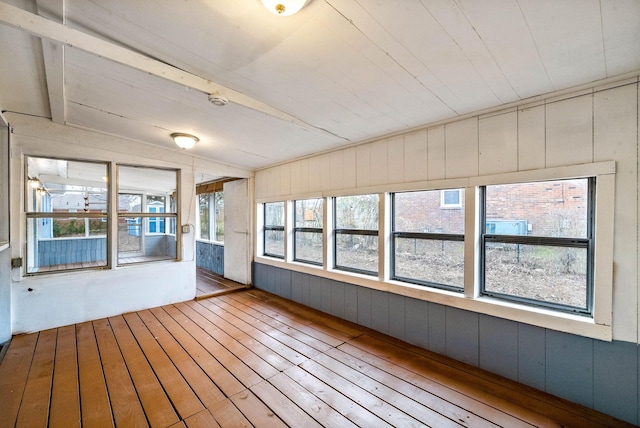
x=284 y=7
x=184 y=141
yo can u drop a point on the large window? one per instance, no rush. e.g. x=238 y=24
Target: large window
x=356 y=233
x=274 y=229
x=211 y=214
x=428 y=238
x=66 y=206
x=308 y=231
x=534 y=246
x=147 y=214
x=538 y=243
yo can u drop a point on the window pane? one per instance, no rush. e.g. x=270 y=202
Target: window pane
x=550 y=208
x=542 y=273
x=357 y=252
x=274 y=242
x=422 y=212
x=274 y=214
x=76 y=240
x=357 y=212
x=146 y=190
x=218 y=201
x=203 y=206
x=309 y=213
x=451 y=197
x=426 y=260
x=134 y=246
x=129 y=203
x=309 y=247
x=62 y=244
x=56 y=185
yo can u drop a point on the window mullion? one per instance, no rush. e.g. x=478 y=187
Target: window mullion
x=384 y=237
x=472 y=246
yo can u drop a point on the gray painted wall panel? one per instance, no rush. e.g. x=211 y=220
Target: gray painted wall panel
x=601 y=375
x=615 y=376
x=326 y=296
x=380 y=311
x=417 y=322
x=351 y=302
x=337 y=298
x=462 y=335
x=315 y=292
x=437 y=328
x=210 y=256
x=306 y=289
x=296 y=286
x=498 y=346
x=532 y=356
x=364 y=306
x=570 y=367
x=397 y=310
x=284 y=283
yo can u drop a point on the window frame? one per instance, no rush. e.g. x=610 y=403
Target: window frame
x=587 y=243
x=170 y=218
x=598 y=325
x=212 y=223
x=86 y=216
x=430 y=236
x=317 y=230
x=336 y=232
x=268 y=227
x=445 y=205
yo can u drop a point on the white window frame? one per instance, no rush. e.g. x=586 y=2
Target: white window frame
x=444 y=204
x=598 y=325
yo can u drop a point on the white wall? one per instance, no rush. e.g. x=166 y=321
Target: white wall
x=46 y=301
x=593 y=125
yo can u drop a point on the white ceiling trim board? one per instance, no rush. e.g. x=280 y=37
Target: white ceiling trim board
x=53 y=53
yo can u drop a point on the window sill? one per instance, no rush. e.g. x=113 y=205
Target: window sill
x=541 y=317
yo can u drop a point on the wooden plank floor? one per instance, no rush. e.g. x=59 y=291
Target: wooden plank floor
x=253 y=359
x=210 y=284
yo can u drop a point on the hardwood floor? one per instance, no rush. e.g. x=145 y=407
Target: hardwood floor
x=210 y=284
x=252 y=359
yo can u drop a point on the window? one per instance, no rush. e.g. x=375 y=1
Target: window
x=308 y=231
x=356 y=233
x=156 y=204
x=147 y=214
x=428 y=240
x=451 y=198
x=211 y=214
x=274 y=229
x=538 y=243
x=66 y=206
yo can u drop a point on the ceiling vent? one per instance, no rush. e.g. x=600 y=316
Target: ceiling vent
x=218 y=100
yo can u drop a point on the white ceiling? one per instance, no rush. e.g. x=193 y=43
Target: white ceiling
x=337 y=73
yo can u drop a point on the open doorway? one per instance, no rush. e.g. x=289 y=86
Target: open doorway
x=222 y=236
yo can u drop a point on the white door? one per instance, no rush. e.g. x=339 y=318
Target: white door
x=237 y=239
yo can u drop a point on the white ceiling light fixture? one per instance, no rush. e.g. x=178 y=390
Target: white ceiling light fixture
x=184 y=141
x=284 y=7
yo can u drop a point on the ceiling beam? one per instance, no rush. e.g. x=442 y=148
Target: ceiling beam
x=53 y=53
x=54 y=31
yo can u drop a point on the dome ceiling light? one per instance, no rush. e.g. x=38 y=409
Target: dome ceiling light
x=184 y=141
x=284 y=7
